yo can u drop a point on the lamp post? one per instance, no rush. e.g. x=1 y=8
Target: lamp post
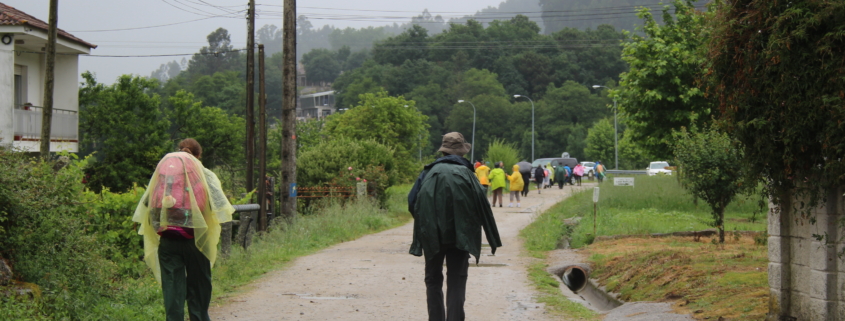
x=615 y=131
x=472 y=147
x=532 y=124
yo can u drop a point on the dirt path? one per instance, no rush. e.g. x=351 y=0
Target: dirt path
x=374 y=278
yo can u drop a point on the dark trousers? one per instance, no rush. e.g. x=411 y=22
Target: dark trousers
x=456 y=284
x=185 y=275
x=526 y=178
x=560 y=183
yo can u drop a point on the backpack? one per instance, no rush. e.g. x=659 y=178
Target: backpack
x=539 y=174
x=178 y=179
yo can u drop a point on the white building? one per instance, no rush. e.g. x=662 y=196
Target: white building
x=316 y=105
x=23 y=39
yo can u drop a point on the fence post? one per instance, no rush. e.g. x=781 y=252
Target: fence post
x=225 y=238
x=362 y=190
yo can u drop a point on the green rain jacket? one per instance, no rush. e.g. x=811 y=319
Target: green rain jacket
x=560 y=174
x=450 y=207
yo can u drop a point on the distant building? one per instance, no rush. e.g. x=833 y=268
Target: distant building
x=23 y=39
x=315 y=106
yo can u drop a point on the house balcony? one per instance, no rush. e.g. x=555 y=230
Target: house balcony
x=64 y=132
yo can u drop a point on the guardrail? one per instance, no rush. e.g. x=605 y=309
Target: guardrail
x=246 y=227
x=626 y=172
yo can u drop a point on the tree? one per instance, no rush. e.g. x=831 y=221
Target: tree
x=600 y=141
x=125 y=124
x=777 y=71
x=220 y=134
x=224 y=90
x=387 y=121
x=410 y=45
x=659 y=93
x=709 y=170
x=321 y=65
x=563 y=117
x=218 y=56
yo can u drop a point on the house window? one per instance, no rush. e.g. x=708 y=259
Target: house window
x=20 y=86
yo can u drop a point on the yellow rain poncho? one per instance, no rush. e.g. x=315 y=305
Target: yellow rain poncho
x=182 y=195
x=516 y=180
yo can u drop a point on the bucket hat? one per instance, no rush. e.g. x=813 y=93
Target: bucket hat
x=455 y=144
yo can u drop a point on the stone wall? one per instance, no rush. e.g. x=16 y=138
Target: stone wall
x=806 y=276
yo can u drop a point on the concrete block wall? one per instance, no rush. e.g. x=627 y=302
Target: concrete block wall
x=806 y=276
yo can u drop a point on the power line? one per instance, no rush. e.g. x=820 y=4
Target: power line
x=136 y=56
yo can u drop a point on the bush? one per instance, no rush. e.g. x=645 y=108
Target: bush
x=330 y=161
x=504 y=152
x=42 y=209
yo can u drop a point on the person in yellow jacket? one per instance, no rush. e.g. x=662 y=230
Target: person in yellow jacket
x=516 y=185
x=482 y=171
x=497 y=183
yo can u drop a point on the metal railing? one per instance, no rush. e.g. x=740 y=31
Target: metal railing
x=65 y=124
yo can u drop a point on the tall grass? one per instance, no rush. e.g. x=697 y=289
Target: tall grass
x=655 y=204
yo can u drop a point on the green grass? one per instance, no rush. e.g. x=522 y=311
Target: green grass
x=556 y=303
x=656 y=204
x=140 y=298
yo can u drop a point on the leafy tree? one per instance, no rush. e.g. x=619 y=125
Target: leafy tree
x=387 y=121
x=221 y=135
x=495 y=119
x=563 y=116
x=659 y=93
x=321 y=65
x=125 y=123
x=631 y=155
x=708 y=161
x=410 y=45
x=777 y=72
x=218 y=56
x=600 y=143
x=224 y=90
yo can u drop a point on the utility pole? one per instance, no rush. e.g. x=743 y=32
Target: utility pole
x=288 y=187
x=262 y=143
x=49 y=80
x=250 y=96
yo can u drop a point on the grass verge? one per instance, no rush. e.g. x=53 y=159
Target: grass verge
x=655 y=205
x=711 y=281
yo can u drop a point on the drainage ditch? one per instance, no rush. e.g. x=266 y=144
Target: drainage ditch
x=576 y=277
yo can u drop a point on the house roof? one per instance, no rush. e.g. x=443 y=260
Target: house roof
x=9 y=16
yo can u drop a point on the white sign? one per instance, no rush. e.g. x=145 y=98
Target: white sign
x=595 y=194
x=623 y=181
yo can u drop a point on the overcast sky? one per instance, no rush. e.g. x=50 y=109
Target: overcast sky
x=80 y=17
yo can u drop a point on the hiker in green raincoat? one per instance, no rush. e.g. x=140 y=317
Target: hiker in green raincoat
x=560 y=176
x=450 y=208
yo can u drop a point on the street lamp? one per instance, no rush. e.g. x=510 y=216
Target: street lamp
x=615 y=131
x=472 y=155
x=532 y=124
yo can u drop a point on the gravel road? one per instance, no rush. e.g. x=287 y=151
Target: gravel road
x=374 y=278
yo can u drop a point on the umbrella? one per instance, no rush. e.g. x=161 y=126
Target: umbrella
x=524 y=167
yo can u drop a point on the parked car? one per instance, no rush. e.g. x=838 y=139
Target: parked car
x=589 y=170
x=539 y=162
x=660 y=167
x=571 y=162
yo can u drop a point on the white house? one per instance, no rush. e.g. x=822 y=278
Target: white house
x=23 y=39
x=316 y=105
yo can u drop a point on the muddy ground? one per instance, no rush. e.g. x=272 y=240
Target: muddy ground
x=374 y=278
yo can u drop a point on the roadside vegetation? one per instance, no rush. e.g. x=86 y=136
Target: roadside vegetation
x=655 y=204
x=80 y=255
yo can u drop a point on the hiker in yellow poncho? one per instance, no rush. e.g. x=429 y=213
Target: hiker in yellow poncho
x=180 y=216
x=516 y=185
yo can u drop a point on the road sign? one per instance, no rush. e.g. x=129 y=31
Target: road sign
x=623 y=181
x=595 y=194
x=292 y=190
